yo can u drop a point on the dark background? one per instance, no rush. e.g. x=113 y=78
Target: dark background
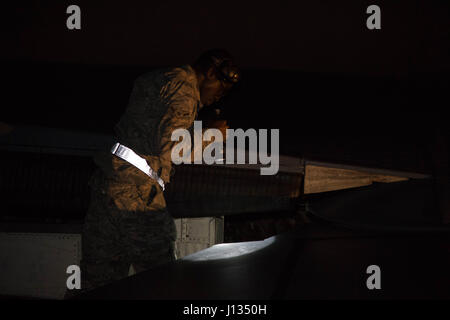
x=335 y=89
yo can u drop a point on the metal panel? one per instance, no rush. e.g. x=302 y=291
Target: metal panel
x=195 y=234
x=35 y=264
x=324 y=178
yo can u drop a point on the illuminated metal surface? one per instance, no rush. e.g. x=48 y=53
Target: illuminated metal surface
x=230 y=250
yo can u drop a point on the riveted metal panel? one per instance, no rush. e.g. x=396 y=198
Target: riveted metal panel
x=35 y=264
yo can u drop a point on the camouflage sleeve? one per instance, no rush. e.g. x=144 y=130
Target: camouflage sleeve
x=179 y=96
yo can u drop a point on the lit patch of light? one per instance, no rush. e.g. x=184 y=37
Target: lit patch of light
x=229 y=250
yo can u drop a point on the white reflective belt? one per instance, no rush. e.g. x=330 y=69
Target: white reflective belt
x=130 y=156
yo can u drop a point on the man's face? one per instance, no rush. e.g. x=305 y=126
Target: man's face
x=212 y=89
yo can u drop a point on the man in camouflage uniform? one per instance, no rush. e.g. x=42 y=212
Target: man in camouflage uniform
x=127 y=221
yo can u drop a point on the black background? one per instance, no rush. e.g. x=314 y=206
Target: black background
x=335 y=89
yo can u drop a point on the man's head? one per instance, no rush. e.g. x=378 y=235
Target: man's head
x=216 y=75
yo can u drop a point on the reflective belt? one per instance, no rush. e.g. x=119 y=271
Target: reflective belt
x=130 y=156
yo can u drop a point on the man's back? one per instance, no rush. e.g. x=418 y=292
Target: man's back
x=140 y=126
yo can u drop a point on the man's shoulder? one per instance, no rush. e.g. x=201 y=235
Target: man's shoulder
x=183 y=73
x=166 y=83
x=180 y=73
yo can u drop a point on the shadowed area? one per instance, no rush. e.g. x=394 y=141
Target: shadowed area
x=326 y=259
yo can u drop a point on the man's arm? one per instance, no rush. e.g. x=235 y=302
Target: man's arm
x=181 y=102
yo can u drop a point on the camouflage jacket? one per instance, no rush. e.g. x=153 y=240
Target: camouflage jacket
x=161 y=101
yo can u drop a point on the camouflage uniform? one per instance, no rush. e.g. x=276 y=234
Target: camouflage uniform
x=127 y=221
